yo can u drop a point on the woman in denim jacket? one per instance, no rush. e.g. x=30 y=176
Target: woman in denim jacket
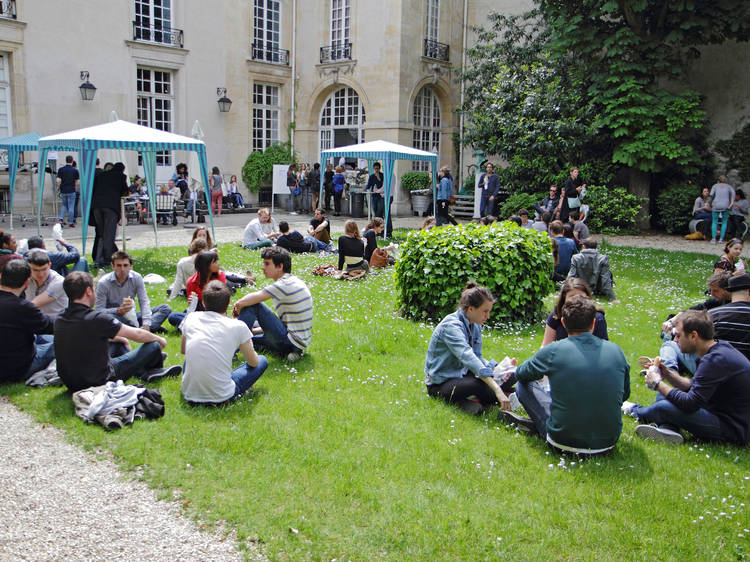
x=454 y=368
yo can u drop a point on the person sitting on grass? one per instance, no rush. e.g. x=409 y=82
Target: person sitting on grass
x=352 y=249
x=24 y=330
x=589 y=379
x=186 y=269
x=592 y=267
x=260 y=232
x=203 y=232
x=566 y=248
x=8 y=249
x=732 y=320
x=288 y=334
x=525 y=222
x=294 y=242
x=554 y=329
x=580 y=230
x=319 y=227
x=45 y=289
x=209 y=342
x=731 y=259
x=454 y=367
x=374 y=229
x=115 y=294
x=543 y=224
x=60 y=260
x=82 y=342
x=713 y=405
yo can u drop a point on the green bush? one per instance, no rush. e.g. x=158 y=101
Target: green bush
x=416 y=180
x=674 y=207
x=258 y=168
x=613 y=210
x=513 y=262
x=517 y=201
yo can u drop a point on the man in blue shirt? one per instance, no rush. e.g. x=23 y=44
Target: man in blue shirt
x=713 y=405
x=67 y=181
x=565 y=250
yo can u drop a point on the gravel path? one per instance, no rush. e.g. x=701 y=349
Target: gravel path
x=58 y=502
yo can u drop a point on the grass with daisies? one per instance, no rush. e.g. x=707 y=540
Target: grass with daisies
x=341 y=455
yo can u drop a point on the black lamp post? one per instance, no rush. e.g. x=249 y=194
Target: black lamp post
x=88 y=90
x=224 y=102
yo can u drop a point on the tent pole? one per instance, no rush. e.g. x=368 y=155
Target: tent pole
x=123 y=220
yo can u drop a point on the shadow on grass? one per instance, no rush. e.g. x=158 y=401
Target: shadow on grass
x=240 y=408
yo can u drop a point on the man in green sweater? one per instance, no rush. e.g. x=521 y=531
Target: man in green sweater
x=589 y=379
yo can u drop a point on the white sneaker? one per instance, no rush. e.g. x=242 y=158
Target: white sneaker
x=654 y=432
x=292 y=213
x=627 y=408
x=294 y=356
x=515 y=405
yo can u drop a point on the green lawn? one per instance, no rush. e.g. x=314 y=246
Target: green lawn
x=342 y=455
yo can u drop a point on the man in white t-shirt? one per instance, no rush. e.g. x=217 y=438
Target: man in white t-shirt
x=260 y=232
x=45 y=289
x=209 y=342
x=289 y=333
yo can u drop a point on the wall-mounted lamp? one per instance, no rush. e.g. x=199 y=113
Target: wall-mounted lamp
x=87 y=88
x=224 y=102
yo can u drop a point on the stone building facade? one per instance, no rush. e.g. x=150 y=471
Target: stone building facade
x=321 y=73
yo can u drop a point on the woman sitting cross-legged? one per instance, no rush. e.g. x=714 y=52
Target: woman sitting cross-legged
x=554 y=330
x=206 y=269
x=454 y=367
x=352 y=249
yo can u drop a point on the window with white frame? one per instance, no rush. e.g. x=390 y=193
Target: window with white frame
x=155 y=104
x=433 y=20
x=341 y=119
x=426 y=134
x=266 y=111
x=266 y=30
x=6 y=122
x=340 y=14
x=153 y=20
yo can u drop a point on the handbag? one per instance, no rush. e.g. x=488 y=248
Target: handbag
x=573 y=202
x=296 y=190
x=379 y=258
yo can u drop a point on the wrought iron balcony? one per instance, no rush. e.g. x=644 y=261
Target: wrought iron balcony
x=8 y=9
x=158 y=34
x=435 y=50
x=337 y=51
x=270 y=54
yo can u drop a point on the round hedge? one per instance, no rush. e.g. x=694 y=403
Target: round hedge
x=514 y=263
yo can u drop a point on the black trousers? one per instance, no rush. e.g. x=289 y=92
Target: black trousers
x=443 y=213
x=337 y=201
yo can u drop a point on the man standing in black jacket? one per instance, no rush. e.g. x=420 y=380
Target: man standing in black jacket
x=109 y=187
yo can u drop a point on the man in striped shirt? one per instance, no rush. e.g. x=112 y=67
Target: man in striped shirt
x=732 y=320
x=289 y=333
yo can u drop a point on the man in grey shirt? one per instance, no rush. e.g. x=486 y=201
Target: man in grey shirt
x=116 y=291
x=722 y=199
x=45 y=288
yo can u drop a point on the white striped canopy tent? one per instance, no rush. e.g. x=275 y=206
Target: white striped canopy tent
x=15 y=145
x=387 y=153
x=125 y=136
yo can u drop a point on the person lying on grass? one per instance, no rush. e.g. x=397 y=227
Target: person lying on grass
x=209 y=342
x=288 y=334
x=589 y=378
x=713 y=405
x=454 y=367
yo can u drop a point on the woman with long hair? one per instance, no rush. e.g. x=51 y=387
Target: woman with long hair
x=373 y=229
x=203 y=232
x=293 y=186
x=216 y=181
x=444 y=192
x=454 y=367
x=554 y=330
x=233 y=193
x=737 y=215
x=730 y=260
x=352 y=248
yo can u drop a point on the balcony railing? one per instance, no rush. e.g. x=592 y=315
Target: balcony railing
x=270 y=54
x=336 y=52
x=8 y=9
x=157 y=34
x=435 y=50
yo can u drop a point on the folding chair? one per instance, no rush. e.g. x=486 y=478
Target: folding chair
x=165 y=207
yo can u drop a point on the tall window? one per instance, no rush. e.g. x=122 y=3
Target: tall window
x=151 y=17
x=340 y=23
x=266 y=112
x=6 y=123
x=426 y=134
x=341 y=119
x=155 y=104
x=433 y=20
x=266 y=28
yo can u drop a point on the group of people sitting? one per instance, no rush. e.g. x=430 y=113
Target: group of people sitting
x=720 y=204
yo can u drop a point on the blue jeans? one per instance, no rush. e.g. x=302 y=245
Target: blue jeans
x=319 y=246
x=274 y=338
x=536 y=401
x=176 y=318
x=259 y=244
x=715 y=216
x=378 y=205
x=245 y=376
x=701 y=423
x=292 y=199
x=138 y=362
x=44 y=353
x=69 y=205
x=159 y=314
x=672 y=357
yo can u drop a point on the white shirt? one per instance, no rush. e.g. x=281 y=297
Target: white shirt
x=210 y=342
x=257 y=231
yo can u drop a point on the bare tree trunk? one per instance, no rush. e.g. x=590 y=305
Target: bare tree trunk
x=639 y=185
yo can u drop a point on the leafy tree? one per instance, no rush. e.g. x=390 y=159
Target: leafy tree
x=258 y=168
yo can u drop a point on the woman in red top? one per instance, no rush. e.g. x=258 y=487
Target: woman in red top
x=206 y=269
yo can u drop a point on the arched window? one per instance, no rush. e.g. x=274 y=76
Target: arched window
x=341 y=119
x=426 y=134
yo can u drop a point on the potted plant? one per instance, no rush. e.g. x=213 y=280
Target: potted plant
x=420 y=191
x=257 y=172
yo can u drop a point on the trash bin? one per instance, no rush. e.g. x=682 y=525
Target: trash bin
x=358 y=202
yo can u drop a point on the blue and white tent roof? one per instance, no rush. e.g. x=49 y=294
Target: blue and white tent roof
x=378 y=150
x=119 y=134
x=29 y=141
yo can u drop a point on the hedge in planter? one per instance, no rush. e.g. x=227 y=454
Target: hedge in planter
x=514 y=263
